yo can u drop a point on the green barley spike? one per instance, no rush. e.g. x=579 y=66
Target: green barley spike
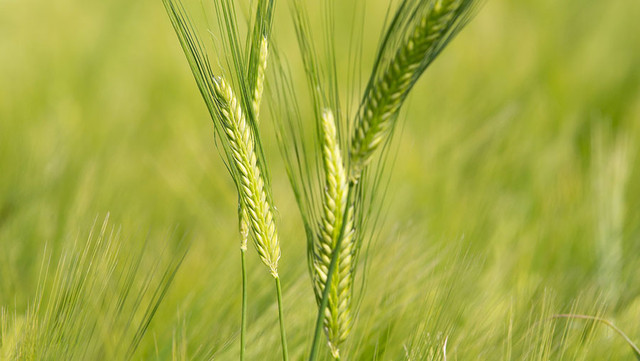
x=390 y=89
x=251 y=185
x=338 y=318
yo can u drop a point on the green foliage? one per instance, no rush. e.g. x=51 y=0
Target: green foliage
x=95 y=304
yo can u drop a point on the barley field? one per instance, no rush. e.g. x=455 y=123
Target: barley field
x=501 y=223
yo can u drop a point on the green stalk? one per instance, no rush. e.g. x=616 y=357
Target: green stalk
x=283 y=336
x=243 y=325
x=636 y=350
x=325 y=293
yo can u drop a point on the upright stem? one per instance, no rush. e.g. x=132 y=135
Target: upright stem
x=283 y=336
x=243 y=325
x=325 y=292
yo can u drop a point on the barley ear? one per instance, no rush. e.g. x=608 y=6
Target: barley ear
x=262 y=68
x=250 y=183
x=338 y=319
x=389 y=88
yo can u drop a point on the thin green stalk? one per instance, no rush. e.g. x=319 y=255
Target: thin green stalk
x=636 y=350
x=243 y=325
x=325 y=294
x=283 y=335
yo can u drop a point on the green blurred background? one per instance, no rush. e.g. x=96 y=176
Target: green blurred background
x=514 y=194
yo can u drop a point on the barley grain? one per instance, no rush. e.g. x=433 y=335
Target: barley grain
x=243 y=226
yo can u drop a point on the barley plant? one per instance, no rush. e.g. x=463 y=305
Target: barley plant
x=416 y=34
x=235 y=120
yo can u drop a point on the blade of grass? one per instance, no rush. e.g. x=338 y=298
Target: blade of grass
x=636 y=350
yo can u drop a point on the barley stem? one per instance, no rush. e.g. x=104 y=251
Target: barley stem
x=243 y=324
x=283 y=335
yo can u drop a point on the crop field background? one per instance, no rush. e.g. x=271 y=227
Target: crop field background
x=513 y=196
